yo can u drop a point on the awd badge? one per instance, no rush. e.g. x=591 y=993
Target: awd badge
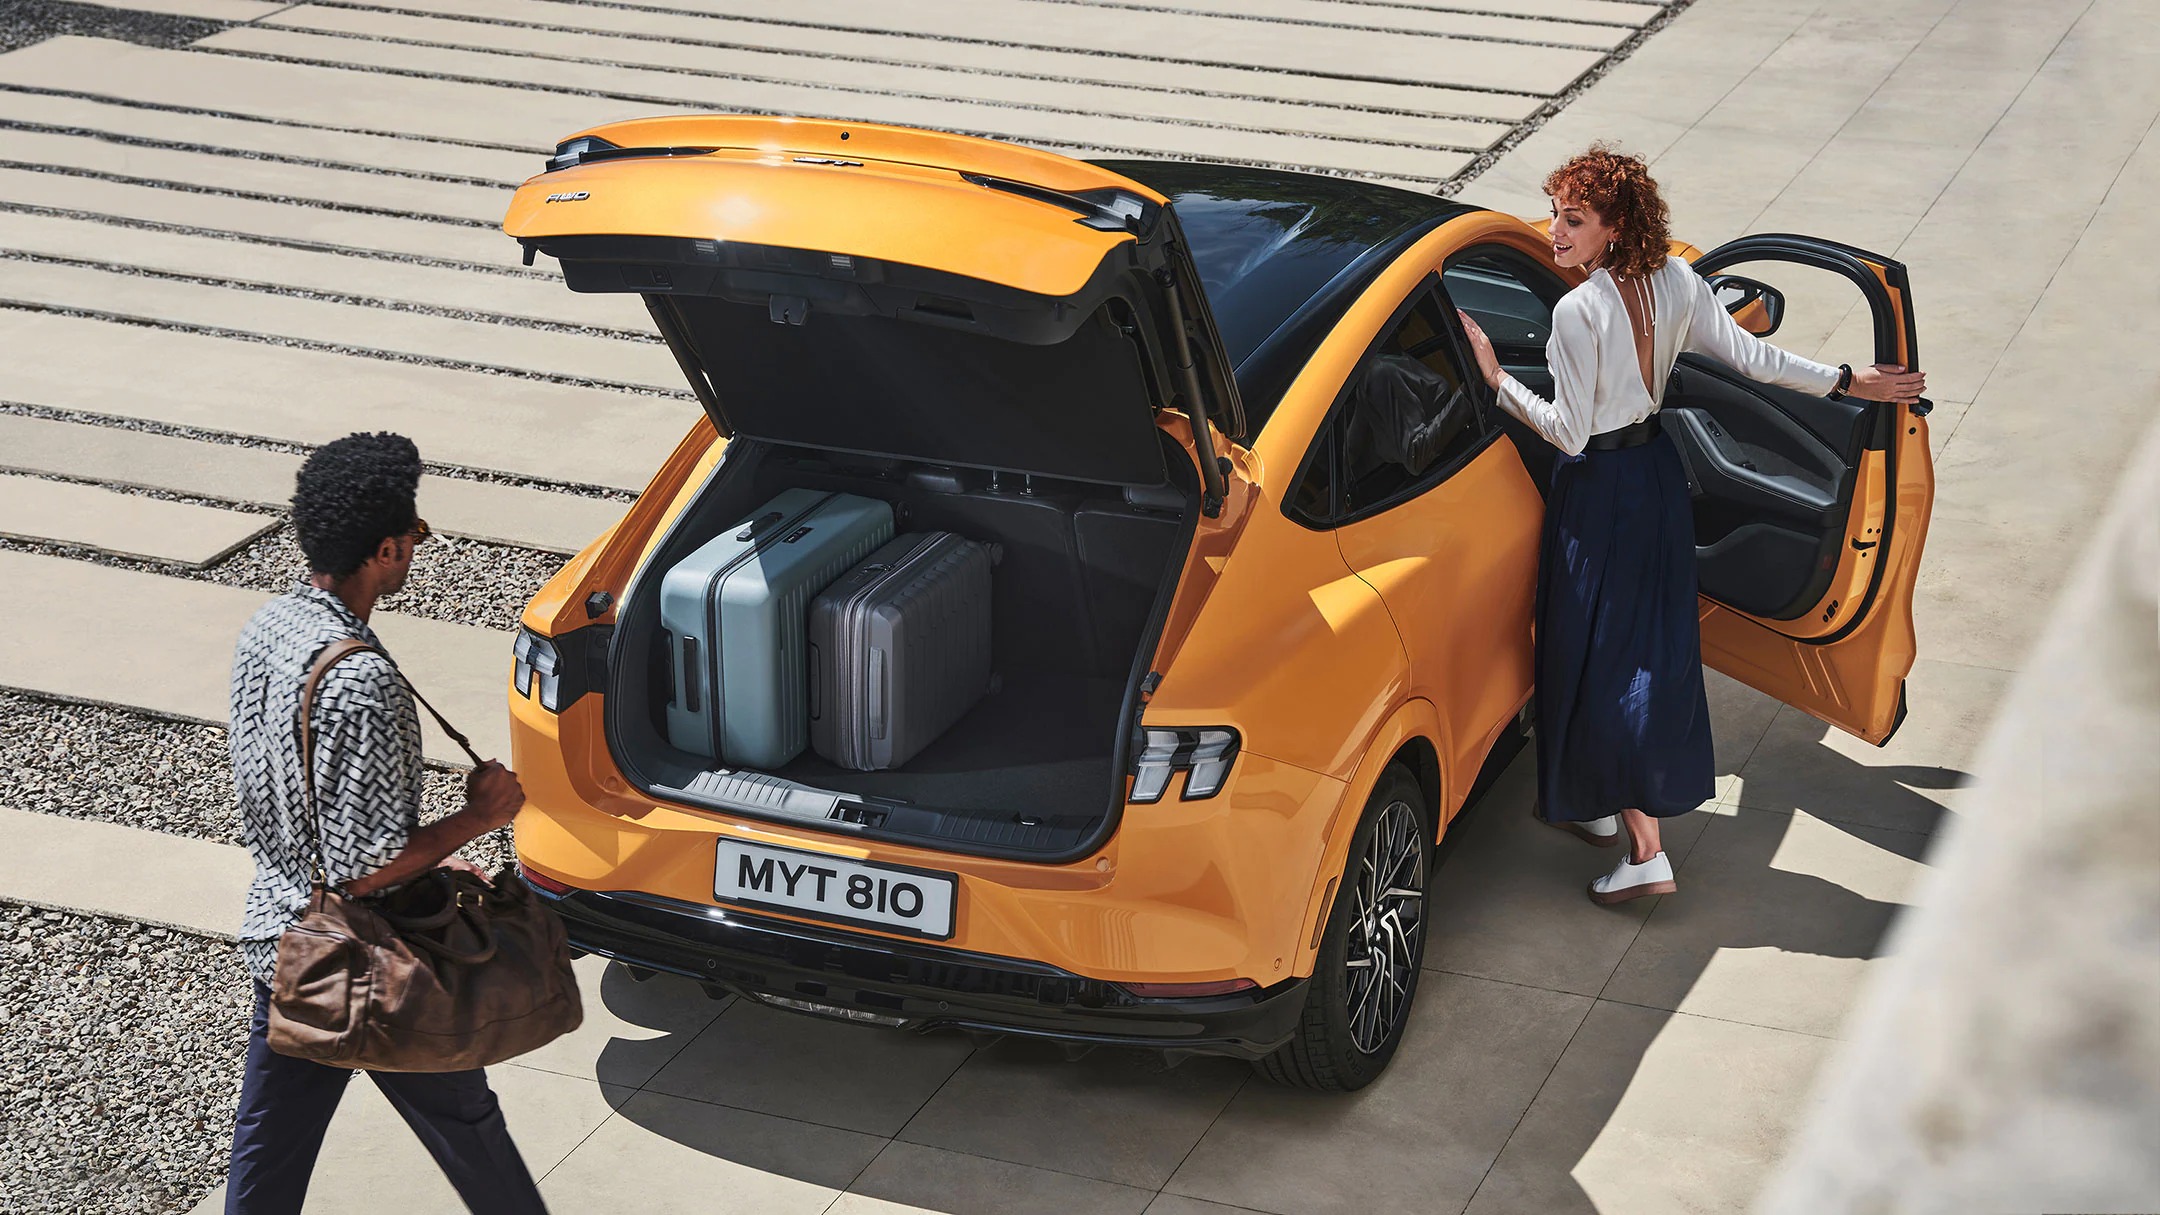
x=580 y=196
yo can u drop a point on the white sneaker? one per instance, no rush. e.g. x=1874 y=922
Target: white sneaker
x=1604 y=832
x=1632 y=881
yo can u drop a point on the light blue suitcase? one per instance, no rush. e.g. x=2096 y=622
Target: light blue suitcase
x=735 y=612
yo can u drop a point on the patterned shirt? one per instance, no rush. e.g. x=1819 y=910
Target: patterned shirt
x=367 y=761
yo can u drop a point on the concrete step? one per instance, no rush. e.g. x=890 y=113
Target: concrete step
x=1075 y=132
x=476 y=205
x=440 y=287
x=277 y=92
x=130 y=525
x=315 y=227
x=482 y=510
x=254 y=135
x=792 y=66
x=554 y=432
x=434 y=110
x=1181 y=36
x=111 y=869
x=1590 y=29
x=506 y=347
x=1600 y=12
x=1042 y=65
x=164 y=645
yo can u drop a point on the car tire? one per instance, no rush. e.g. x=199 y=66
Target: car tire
x=1365 y=977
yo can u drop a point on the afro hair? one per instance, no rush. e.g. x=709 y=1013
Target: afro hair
x=351 y=495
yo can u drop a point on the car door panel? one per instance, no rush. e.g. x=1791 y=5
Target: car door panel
x=1811 y=514
x=1454 y=558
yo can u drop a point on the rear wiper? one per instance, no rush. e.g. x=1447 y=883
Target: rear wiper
x=1106 y=210
x=586 y=149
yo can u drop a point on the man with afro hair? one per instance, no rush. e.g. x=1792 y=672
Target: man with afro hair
x=355 y=511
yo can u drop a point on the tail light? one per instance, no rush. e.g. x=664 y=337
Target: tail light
x=1203 y=753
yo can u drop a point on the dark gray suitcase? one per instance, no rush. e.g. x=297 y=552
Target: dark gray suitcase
x=899 y=649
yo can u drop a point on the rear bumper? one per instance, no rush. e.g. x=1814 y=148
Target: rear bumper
x=913 y=986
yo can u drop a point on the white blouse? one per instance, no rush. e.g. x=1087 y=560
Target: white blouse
x=1597 y=381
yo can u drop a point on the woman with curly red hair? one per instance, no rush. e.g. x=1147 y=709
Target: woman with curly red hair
x=1622 y=723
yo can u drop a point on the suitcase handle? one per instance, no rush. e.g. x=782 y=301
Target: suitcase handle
x=752 y=528
x=690 y=681
x=810 y=659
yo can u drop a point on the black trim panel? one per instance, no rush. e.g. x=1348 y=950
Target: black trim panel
x=923 y=987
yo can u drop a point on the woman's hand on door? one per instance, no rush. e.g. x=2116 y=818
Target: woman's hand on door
x=1887 y=382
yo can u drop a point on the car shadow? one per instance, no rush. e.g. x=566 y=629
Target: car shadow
x=1734 y=895
x=719 y=1097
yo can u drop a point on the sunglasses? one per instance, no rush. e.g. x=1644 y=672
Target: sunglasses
x=419 y=531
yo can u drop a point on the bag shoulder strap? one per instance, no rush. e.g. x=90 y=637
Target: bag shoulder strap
x=326 y=658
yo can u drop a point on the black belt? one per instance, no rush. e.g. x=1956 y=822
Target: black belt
x=1627 y=436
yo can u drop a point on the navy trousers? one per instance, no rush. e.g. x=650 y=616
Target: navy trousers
x=1622 y=720
x=286 y=1104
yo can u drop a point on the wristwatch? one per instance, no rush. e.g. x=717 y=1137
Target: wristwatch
x=1844 y=382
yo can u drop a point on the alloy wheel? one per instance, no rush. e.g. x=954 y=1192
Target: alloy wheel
x=1382 y=944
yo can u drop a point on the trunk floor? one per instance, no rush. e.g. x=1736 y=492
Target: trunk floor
x=1040 y=744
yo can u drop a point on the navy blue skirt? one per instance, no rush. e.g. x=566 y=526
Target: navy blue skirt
x=1621 y=718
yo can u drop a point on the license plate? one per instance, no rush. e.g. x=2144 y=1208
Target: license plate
x=894 y=898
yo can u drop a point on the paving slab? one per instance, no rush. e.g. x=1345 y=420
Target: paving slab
x=130 y=525
x=517 y=349
x=381 y=103
x=1179 y=36
x=1178 y=1204
x=1908 y=785
x=690 y=1158
x=856 y=1077
x=480 y=510
x=116 y=870
x=556 y=432
x=1416 y=1140
x=907 y=1178
x=1042 y=127
x=1652 y=1112
x=1599 y=25
x=904 y=47
x=631 y=1029
x=309 y=227
x=1779 y=921
x=857 y=75
x=214 y=10
x=410 y=154
x=371 y=1161
x=1507 y=903
x=1114 y=1116
x=250 y=262
x=475 y=205
x=164 y=645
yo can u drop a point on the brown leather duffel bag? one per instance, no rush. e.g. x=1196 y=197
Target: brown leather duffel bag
x=444 y=973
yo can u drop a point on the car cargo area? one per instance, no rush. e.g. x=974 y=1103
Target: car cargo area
x=1082 y=575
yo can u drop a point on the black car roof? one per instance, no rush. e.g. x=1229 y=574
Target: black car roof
x=1282 y=255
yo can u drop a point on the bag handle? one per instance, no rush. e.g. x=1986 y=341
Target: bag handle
x=325 y=658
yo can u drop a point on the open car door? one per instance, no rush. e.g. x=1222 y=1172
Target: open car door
x=1809 y=513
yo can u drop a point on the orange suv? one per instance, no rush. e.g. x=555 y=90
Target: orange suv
x=1263 y=612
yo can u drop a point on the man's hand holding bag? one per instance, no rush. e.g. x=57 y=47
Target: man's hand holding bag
x=445 y=973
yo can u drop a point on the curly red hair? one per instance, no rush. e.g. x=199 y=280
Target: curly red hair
x=1620 y=189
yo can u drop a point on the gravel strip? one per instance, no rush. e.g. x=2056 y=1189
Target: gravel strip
x=461 y=581
x=122 y=1046
x=114 y=766
x=23 y=22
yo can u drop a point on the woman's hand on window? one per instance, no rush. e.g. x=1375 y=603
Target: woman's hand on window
x=1481 y=346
